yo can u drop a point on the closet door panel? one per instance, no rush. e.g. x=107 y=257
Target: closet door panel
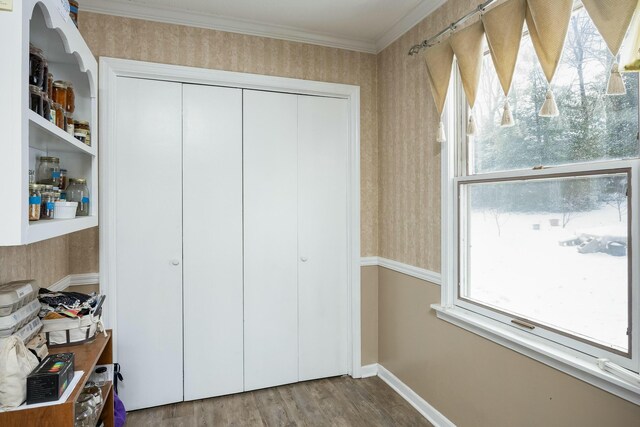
x=148 y=192
x=270 y=239
x=323 y=136
x=212 y=210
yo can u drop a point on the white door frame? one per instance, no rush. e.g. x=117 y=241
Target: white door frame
x=112 y=68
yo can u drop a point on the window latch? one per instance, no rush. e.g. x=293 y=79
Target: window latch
x=523 y=324
x=539 y=167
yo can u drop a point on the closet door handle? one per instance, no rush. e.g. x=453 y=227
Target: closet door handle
x=175 y=262
x=303 y=258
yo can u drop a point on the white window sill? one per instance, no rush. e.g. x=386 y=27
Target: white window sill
x=584 y=369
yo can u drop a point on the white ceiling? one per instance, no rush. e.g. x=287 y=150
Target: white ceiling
x=363 y=25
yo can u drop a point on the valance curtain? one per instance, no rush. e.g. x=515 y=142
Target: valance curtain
x=612 y=18
x=439 y=59
x=547 y=23
x=467 y=47
x=503 y=27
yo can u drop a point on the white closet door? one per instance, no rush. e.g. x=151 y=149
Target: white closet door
x=212 y=200
x=270 y=239
x=323 y=137
x=148 y=194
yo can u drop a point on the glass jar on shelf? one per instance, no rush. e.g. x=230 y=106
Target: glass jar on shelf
x=35 y=201
x=70 y=128
x=49 y=171
x=59 y=119
x=50 y=85
x=70 y=104
x=82 y=131
x=63 y=180
x=47 y=202
x=46 y=106
x=79 y=192
x=36 y=66
x=45 y=75
x=60 y=92
x=35 y=99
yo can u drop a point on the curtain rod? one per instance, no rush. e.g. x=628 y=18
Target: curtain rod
x=432 y=41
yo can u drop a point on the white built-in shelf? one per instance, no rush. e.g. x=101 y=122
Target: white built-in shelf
x=48 y=228
x=45 y=136
x=24 y=136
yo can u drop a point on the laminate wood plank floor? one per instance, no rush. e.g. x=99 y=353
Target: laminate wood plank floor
x=340 y=401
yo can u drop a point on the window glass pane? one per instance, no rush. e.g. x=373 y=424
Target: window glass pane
x=553 y=251
x=591 y=126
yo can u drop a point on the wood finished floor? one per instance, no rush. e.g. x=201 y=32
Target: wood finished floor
x=340 y=401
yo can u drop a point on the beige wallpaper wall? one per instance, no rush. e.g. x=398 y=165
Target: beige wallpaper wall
x=48 y=261
x=473 y=381
x=174 y=44
x=409 y=206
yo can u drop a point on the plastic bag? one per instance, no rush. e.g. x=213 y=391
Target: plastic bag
x=16 y=363
x=630 y=51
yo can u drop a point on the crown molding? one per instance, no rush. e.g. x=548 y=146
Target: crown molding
x=410 y=20
x=171 y=15
x=178 y=16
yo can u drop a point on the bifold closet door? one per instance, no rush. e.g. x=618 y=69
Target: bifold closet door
x=270 y=239
x=323 y=324
x=212 y=239
x=148 y=236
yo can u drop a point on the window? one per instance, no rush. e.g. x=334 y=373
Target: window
x=540 y=219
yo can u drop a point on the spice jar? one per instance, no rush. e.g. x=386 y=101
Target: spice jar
x=46 y=106
x=82 y=129
x=63 y=180
x=34 y=202
x=58 y=116
x=49 y=171
x=70 y=127
x=73 y=11
x=70 y=104
x=60 y=92
x=79 y=192
x=101 y=376
x=35 y=99
x=36 y=66
x=45 y=75
x=47 y=202
x=50 y=85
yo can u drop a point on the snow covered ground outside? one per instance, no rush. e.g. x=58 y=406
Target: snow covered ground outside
x=528 y=273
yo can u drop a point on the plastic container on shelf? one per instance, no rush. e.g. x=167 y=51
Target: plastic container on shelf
x=15 y=295
x=65 y=210
x=27 y=332
x=13 y=322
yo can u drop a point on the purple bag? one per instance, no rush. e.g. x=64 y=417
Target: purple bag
x=119 y=413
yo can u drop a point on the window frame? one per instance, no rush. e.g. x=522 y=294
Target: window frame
x=569 y=354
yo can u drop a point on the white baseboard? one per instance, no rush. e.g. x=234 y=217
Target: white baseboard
x=369 y=370
x=410 y=270
x=421 y=405
x=75 y=279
